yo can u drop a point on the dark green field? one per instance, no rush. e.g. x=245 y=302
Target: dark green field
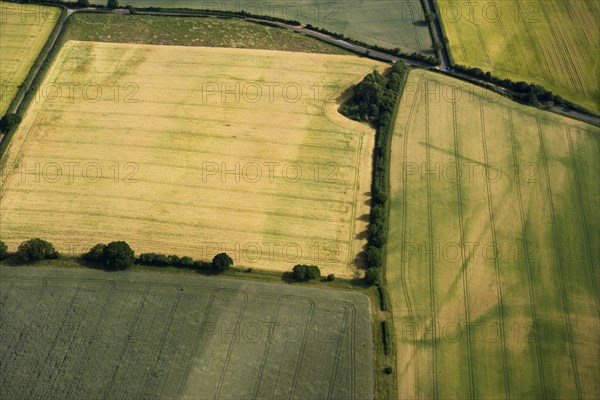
x=75 y=334
x=183 y=31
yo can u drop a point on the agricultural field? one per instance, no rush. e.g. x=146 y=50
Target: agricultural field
x=494 y=247
x=24 y=30
x=194 y=151
x=184 y=31
x=553 y=43
x=73 y=334
x=387 y=23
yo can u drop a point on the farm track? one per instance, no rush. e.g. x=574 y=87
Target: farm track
x=572 y=354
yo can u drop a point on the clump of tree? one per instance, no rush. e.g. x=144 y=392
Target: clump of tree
x=8 y=122
x=302 y=272
x=35 y=250
x=3 y=250
x=374 y=100
x=114 y=255
x=221 y=262
x=112 y=4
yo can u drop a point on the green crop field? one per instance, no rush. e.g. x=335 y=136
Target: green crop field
x=387 y=23
x=553 y=43
x=194 y=151
x=24 y=29
x=75 y=334
x=494 y=247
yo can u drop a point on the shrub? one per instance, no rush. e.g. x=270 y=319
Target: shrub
x=118 y=255
x=186 y=261
x=96 y=253
x=330 y=278
x=9 y=121
x=35 y=250
x=303 y=272
x=3 y=250
x=112 y=4
x=221 y=262
x=388 y=370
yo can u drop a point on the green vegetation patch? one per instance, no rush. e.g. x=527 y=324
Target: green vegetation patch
x=79 y=334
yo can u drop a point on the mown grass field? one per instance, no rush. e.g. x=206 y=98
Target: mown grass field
x=194 y=151
x=185 y=31
x=510 y=247
x=73 y=334
x=386 y=23
x=24 y=29
x=553 y=43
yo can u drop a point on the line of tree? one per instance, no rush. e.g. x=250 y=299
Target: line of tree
x=528 y=93
x=374 y=100
x=302 y=272
x=431 y=60
x=114 y=255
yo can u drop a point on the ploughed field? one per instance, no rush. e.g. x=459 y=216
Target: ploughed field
x=193 y=151
x=24 y=29
x=493 y=247
x=74 y=334
x=552 y=43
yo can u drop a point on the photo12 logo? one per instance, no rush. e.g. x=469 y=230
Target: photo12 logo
x=71 y=172
x=15 y=13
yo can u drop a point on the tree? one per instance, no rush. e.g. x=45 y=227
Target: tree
x=35 y=250
x=373 y=276
x=330 y=278
x=303 y=272
x=9 y=121
x=83 y=3
x=221 y=262
x=96 y=253
x=3 y=250
x=118 y=255
x=374 y=257
x=112 y=4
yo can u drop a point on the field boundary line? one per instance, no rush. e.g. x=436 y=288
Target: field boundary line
x=572 y=355
x=496 y=262
x=430 y=233
x=465 y=258
x=528 y=261
x=583 y=219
